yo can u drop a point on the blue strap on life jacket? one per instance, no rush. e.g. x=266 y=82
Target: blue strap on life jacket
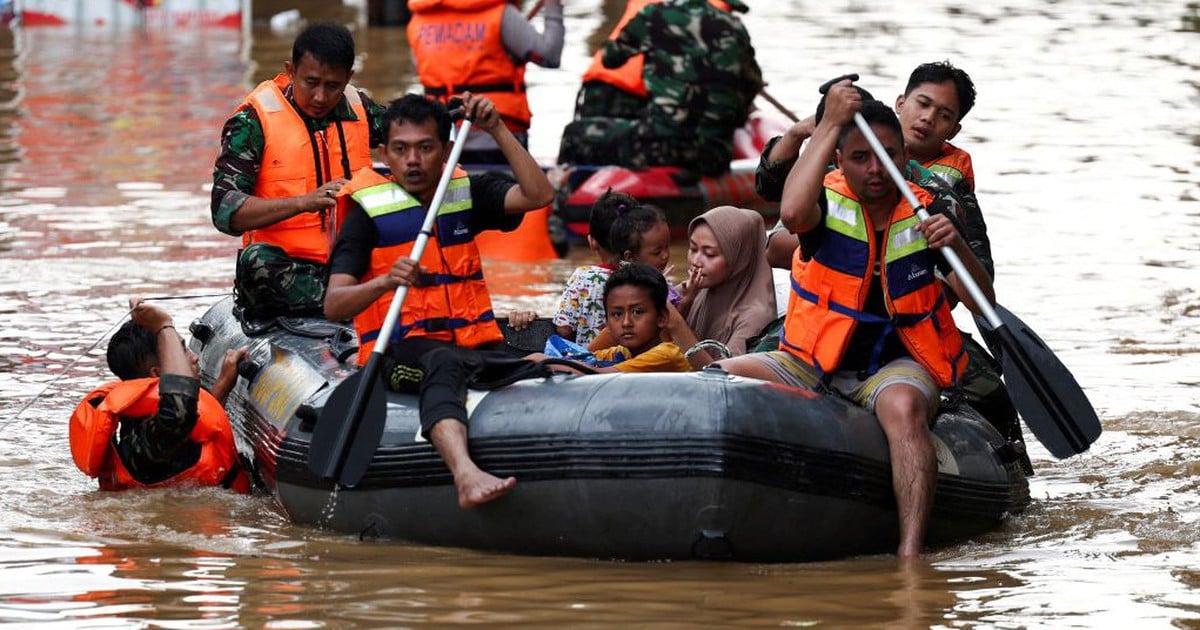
x=431 y=325
x=890 y=324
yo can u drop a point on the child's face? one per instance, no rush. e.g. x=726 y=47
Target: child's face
x=929 y=117
x=706 y=262
x=632 y=317
x=655 y=248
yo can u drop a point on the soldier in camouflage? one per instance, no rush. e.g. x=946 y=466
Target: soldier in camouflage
x=268 y=281
x=701 y=75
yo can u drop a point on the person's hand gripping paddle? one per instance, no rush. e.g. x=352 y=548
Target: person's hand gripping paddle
x=1045 y=393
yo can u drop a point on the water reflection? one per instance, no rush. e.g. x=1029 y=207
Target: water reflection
x=1086 y=151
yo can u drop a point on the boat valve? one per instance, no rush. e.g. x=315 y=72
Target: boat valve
x=249 y=369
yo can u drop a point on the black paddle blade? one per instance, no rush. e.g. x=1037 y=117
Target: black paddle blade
x=1043 y=390
x=349 y=427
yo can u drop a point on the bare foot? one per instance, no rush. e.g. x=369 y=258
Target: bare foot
x=479 y=487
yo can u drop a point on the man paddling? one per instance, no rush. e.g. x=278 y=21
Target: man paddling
x=446 y=333
x=935 y=100
x=868 y=317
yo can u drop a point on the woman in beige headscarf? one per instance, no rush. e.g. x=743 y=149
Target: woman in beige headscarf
x=729 y=295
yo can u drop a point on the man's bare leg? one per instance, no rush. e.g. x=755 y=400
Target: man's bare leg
x=449 y=437
x=902 y=411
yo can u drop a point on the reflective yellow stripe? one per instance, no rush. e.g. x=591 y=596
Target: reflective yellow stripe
x=905 y=239
x=384 y=198
x=843 y=216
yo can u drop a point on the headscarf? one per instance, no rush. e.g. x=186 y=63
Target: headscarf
x=744 y=305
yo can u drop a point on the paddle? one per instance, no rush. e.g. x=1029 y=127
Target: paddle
x=780 y=106
x=352 y=422
x=1045 y=393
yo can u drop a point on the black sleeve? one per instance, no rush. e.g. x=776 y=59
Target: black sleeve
x=770 y=176
x=487 y=202
x=811 y=240
x=357 y=238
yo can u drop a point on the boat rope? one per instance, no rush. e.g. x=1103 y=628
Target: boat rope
x=89 y=349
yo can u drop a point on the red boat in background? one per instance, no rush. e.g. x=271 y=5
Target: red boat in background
x=545 y=233
x=680 y=194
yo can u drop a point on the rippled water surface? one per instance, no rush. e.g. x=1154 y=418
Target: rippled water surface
x=1086 y=141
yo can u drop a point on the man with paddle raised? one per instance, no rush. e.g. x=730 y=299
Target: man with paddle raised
x=446 y=332
x=868 y=317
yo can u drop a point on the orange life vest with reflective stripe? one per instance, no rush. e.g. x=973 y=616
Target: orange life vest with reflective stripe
x=457 y=47
x=829 y=292
x=290 y=162
x=453 y=304
x=953 y=166
x=628 y=76
x=94 y=423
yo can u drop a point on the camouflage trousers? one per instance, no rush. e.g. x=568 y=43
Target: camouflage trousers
x=597 y=99
x=269 y=283
x=635 y=144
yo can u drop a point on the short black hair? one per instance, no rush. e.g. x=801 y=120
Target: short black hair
x=416 y=109
x=328 y=43
x=940 y=72
x=629 y=226
x=874 y=112
x=638 y=274
x=604 y=213
x=132 y=351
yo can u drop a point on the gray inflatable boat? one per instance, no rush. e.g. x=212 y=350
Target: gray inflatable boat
x=629 y=466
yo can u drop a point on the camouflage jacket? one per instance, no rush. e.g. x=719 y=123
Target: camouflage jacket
x=700 y=69
x=159 y=447
x=242 y=142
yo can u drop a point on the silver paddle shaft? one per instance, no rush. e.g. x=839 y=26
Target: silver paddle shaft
x=956 y=263
x=389 y=322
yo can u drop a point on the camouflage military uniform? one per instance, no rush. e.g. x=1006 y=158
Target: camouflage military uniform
x=157 y=448
x=701 y=75
x=267 y=281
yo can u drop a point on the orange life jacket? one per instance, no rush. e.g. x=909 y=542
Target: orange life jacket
x=828 y=293
x=295 y=162
x=94 y=423
x=457 y=48
x=454 y=305
x=953 y=166
x=628 y=76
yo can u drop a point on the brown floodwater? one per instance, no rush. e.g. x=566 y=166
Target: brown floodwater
x=1086 y=140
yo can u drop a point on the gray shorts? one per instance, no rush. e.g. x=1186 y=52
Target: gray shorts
x=790 y=370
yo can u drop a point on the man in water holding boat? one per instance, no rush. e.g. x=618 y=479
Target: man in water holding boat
x=285 y=153
x=156 y=426
x=701 y=76
x=446 y=333
x=868 y=317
